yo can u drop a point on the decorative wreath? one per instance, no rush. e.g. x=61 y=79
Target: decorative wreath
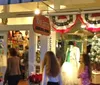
x=92 y=21
x=63 y=23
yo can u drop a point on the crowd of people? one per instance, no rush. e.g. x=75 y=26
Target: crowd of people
x=51 y=69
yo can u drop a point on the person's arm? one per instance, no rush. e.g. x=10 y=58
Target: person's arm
x=44 y=77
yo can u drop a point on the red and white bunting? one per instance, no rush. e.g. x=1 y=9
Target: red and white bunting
x=92 y=21
x=63 y=24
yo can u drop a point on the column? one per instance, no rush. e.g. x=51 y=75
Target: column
x=44 y=46
x=52 y=43
x=4 y=34
x=5 y=10
x=47 y=43
x=32 y=50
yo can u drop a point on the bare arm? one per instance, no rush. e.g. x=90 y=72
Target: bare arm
x=44 y=77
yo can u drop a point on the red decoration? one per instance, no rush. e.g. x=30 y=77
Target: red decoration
x=91 y=25
x=41 y=25
x=63 y=24
x=62 y=17
x=95 y=15
x=35 y=78
x=1 y=79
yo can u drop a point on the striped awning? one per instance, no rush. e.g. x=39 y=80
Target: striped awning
x=6 y=2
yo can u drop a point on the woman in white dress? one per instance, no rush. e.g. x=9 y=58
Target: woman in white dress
x=71 y=64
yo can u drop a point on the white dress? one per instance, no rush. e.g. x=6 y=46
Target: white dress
x=70 y=69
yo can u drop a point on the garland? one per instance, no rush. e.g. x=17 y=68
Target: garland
x=92 y=21
x=66 y=22
x=63 y=23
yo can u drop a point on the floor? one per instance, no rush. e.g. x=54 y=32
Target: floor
x=23 y=82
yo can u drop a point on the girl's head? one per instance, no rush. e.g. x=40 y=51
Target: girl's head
x=51 y=63
x=86 y=61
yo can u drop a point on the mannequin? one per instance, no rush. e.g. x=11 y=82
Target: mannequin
x=71 y=64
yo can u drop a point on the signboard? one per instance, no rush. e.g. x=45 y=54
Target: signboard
x=5 y=2
x=41 y=25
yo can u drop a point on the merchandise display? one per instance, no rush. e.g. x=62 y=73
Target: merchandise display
x=95 y=53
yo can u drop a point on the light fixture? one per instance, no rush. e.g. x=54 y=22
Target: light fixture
x=37 y=10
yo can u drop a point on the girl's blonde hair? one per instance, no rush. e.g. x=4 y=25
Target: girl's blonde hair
x=51 y=63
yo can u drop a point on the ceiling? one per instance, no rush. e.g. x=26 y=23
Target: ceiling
x=69 y=5
x=81 y=4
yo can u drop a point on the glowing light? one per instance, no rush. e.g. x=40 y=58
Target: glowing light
x=91 y=25
x=69 y=68
x=37 y=11
x=93 y=19
x=83 y=26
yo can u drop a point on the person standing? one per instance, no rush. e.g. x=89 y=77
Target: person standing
x=12 y=74
x=84 y=73
x=71 y=65
x=51 y=70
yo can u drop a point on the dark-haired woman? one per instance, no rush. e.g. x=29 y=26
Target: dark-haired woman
x=85 y=70
x=51 y=70
x=13 y=73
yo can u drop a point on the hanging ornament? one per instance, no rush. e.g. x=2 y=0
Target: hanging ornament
x=92 y=21
x=63 y=24
x=4 y=21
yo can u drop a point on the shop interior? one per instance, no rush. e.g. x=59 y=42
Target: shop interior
x=22 y=14
x=20 y=39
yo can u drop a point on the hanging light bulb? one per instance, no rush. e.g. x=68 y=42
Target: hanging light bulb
x=37 y=10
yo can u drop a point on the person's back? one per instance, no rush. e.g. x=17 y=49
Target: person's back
x=51 y=70
x=13 y=74
x=14 y=66
x=50 y=79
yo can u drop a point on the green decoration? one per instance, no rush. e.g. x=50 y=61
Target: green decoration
x=68 y=56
